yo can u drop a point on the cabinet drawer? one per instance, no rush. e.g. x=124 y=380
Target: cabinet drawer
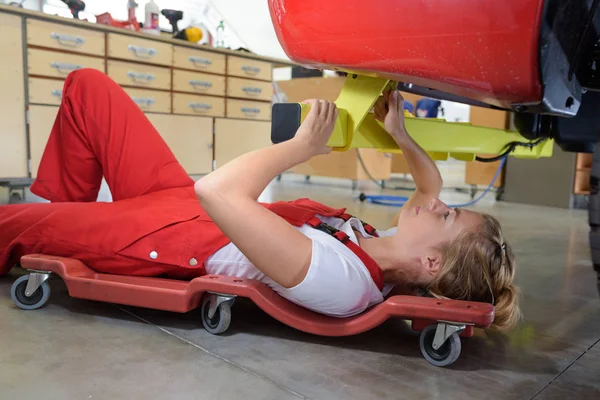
x=248 y=68
x=134 y=48
x=45 y=91
x=150 y=100
x=251 y=89
x=248 y=109
x=189 y=138
x=194 y=82
x=64 y=37
x=198 y=60
x=41 y=120
x=198 y=105
x=59 y=65
x=234 y=137
x=139 y=75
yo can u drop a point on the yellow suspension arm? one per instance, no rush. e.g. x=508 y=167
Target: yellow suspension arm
x=357 y=127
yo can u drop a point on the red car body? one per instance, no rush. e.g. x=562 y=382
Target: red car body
x=484 y=50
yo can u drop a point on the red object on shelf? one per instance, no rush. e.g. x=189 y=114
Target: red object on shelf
x=485 y=50
x=183 y=296
x=107 y=19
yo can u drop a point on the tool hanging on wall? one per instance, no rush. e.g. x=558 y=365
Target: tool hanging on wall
x=191 y=34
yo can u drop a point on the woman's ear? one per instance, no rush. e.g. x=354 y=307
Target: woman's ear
x=431 y=263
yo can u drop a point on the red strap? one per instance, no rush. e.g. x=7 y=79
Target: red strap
x=314 y=222
x=369 y=229
x=345 y=216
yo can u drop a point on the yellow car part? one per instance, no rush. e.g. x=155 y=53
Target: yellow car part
x=357 y=127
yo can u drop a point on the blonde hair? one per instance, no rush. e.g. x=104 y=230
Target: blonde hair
x=480 y=266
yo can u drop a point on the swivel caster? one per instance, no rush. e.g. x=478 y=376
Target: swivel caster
x=31 y=292
x=15 y=197
x=440 y=343
x=216 y=312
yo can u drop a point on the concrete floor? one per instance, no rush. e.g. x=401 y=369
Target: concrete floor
x=75 y=349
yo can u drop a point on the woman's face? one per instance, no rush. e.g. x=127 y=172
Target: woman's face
x=424 y=229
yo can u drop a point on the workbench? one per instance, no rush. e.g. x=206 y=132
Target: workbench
x=210 y=105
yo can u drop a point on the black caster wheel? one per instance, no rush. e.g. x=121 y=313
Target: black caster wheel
x=33 y=302
x=278 y=178
x=220 y=322
x=499 y=194
x=15 y=198
x=446 y=355
x=307 y=178
x=362 y=197
x=382 y=184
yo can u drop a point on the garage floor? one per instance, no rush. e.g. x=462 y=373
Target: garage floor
x=74 y=349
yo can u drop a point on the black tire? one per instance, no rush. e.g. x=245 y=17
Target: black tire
x=594 y=212
x=220 y=322
x=446 y=355
x=33 y=302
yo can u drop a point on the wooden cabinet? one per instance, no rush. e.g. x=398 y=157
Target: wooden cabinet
x=198 y=60
x=249 y=89
x=199 y=83
x=189 y=138
x=583 y=169
x=41 y=120
x=236 y=137
x=139 y=75
x=248 y=68
x=45 y=91
x=150 y=100
x=133 y=48
x=13 y=139
x=52 y=35
x=207 y=106
x=248 y=109
x=181 y=87
x=58 y=65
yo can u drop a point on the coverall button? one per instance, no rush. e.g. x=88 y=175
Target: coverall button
x=193 y=262
x=153 y=255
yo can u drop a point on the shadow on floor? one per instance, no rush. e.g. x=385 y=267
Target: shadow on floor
x=394 y=337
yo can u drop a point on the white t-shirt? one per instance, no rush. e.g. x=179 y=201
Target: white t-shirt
x=337 y=284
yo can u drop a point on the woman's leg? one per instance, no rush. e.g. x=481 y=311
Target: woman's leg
x=99 y=131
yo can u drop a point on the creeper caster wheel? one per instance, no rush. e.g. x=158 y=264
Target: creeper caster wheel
x=435 y=349
x=30 y=292
x=216 y=312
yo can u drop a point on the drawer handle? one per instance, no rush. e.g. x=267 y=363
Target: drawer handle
x=140 y=77
x=250 y=70
x=200 y=107
x=57 y=93
x=65 y=67
x=142 y=52
x=67 y=40
x=143 y=101
x=200 y=84
x=200 y=62
x=250 y=111
x=252 y=91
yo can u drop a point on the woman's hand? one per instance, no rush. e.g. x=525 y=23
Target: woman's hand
x=315 y=131
x=389 y=109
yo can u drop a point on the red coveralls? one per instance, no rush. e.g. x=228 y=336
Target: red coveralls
x=155 y=224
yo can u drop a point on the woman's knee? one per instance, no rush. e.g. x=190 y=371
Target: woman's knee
x=86 y=77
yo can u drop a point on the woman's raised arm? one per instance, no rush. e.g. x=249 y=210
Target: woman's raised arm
x=229 y=196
